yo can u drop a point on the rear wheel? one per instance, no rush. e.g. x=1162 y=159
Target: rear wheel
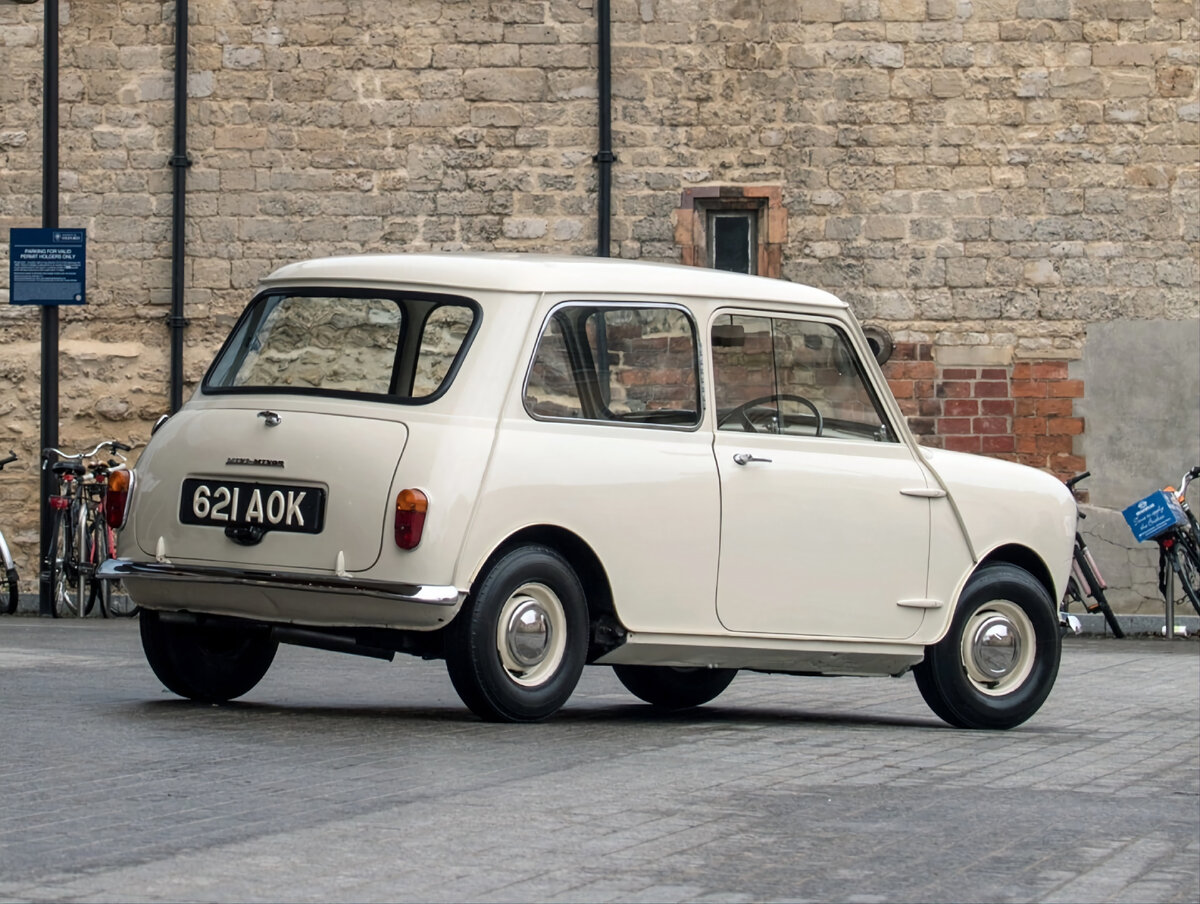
x=1099 y=600
x=113 y=603
x=13 y=591
x=1188 y=571
x=119 y=604
x=996 y=665
x=516 y=650
x=670 y=688
x=204 y=662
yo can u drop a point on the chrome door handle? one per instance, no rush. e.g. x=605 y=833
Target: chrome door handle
x=743 y=458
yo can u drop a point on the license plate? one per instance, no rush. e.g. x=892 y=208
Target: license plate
x=269 y=506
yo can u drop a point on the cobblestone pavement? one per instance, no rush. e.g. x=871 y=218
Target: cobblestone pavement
x=342 y=779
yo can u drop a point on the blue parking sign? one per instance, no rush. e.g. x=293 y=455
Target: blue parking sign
x=45 y=266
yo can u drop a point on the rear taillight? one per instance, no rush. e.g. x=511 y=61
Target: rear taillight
x=60 y=503
x=411 y=506
x=116 y=500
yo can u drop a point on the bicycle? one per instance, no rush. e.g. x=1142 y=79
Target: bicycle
x=80 y=537
x=103 y=541
x=1179 y=548
x=1085 y=580
x=10 y=567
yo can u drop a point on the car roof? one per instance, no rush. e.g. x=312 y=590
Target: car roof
x=522 y=272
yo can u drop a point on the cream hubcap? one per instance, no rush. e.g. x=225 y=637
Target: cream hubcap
x=531 y=634
x=998 y=648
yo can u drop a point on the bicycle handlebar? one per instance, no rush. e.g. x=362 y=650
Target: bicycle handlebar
x=50 y=454
x=1187 y=478
x=1078 y=477
x=12 y=456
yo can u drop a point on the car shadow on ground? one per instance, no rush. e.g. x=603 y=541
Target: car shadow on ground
x=626 y=714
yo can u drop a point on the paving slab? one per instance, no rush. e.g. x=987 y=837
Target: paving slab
x=345 y=779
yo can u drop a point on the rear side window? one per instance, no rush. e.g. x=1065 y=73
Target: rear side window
x=401 y=347
x=623 y=364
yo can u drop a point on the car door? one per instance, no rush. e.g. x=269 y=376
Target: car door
x=607 y=442
x=824 y=511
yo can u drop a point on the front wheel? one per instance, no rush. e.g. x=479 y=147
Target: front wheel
x=204 y=662
x=516 y=650
x=62 y=566
x=670 y=688
x=997 y=664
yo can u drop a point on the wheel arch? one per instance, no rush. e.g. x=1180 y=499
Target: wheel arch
x=1025 y=558
x=606 y=629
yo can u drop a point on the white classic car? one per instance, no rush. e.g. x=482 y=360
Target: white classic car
x=526 y=464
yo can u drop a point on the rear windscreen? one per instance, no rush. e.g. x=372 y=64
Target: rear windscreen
x=398 y=346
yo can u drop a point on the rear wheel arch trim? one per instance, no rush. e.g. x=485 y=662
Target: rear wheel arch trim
x=579 y=555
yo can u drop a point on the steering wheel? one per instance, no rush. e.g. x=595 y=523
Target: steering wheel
x=740 y=411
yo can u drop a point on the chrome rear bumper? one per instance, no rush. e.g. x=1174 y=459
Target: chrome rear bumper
x=283 y=595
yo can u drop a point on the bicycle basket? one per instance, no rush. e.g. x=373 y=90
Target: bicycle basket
x=1154 y=515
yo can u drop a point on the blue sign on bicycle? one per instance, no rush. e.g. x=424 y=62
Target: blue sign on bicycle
x=1157 y=513
x=45 y=266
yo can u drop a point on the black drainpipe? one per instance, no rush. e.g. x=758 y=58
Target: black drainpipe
x=49 y=413
x=179 y=164
x=604 y=156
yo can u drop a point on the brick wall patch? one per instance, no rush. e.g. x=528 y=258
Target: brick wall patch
x=1023 y=412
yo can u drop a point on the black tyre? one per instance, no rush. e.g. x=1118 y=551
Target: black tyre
x=14 y=596
x=85 y=560
x=1070 y=595
x=1188 y=572
x=996 y=665
x=118 y=602
x=665 y=687
x=1109 y=616
x=516 y=650
x=1099 y=600
x=53 y=563
x=63 y=566
x=113 y=602
x=207 y=663
x=100 y=593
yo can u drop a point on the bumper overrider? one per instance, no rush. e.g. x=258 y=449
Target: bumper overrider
x=318 y=599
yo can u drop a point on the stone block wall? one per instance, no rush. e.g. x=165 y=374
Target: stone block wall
x=987 y=179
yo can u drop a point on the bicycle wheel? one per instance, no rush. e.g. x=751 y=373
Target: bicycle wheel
x=13 y=591
x=1187 y=569
x=84 y=551
x=120 y=605
x=114 y=602
x=1099 y=600
x=97 y=552
x=62 y=566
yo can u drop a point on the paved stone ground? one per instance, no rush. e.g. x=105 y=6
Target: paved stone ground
x=340 y=779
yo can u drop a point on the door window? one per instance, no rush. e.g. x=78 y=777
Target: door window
x=792 y=376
